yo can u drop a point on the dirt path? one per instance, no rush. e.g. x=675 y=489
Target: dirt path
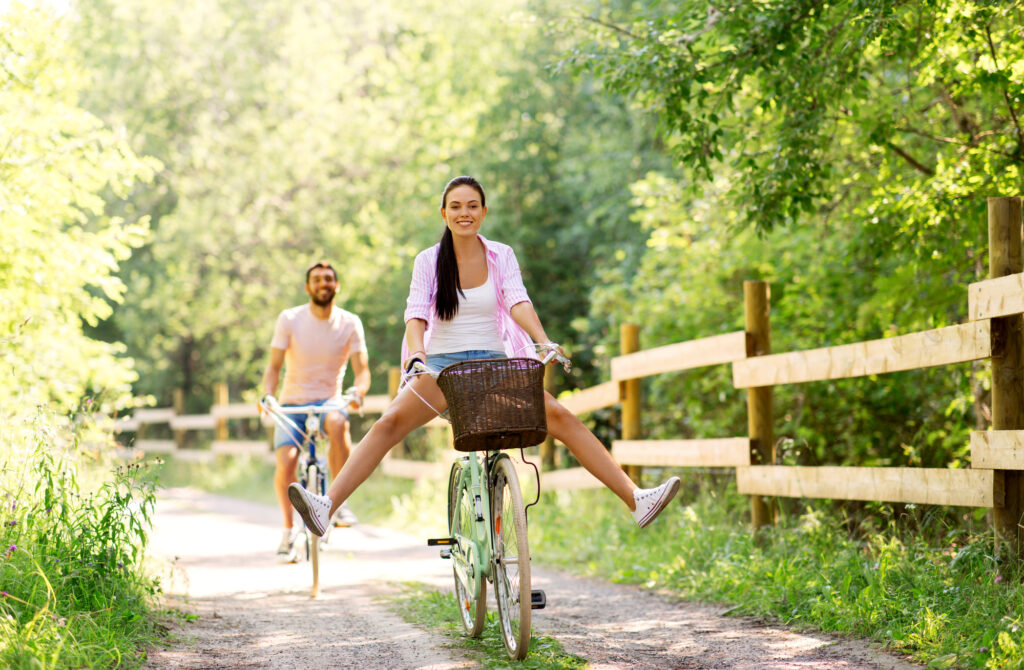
x=217 y=562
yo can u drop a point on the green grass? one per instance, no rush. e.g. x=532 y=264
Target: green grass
x=421 y=605
x=72 y=589
x=940 y=599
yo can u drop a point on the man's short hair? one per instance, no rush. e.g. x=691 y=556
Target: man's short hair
x=321 y=264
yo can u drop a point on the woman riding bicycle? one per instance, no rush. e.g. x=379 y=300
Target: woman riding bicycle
x=467 y=301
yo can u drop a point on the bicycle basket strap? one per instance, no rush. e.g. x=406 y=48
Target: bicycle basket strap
x=495 y=403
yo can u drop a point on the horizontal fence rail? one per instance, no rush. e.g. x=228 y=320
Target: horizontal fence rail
x=721 y=452
x=997 y=449
x=681 y=356
x=1003 y=296
x=942 y=346
x=926 y=486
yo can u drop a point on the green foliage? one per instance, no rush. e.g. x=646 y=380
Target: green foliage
x=74 y=593
x=60 y=248
x=291 y=131
x=910 y=102
x=860 y=140
x=922 y=586
x=421 y=605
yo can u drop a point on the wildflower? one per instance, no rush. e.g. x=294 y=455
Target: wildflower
x=999 y=578
x=3 y=594
x=13 y=522
x=13 y=548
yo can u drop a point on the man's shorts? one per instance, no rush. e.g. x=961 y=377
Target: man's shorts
x=291 y=437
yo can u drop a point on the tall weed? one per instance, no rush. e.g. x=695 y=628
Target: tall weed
x=72 y=591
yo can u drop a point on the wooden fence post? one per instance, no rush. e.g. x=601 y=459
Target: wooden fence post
x=394 y=381
x=179 y=409
x=1004 y=258
x=220 y=397
x=547 y=447
x=759 y=399
x=629 y=335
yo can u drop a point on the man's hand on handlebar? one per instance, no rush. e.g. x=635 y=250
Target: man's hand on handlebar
x=265 y=403
x=356 y=402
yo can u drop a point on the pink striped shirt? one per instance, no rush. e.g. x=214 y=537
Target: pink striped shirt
x=508 y=286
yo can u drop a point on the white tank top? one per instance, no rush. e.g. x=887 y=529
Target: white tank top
x=475 y=325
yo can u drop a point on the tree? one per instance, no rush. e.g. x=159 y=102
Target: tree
x=291 y=131
x=60 y=248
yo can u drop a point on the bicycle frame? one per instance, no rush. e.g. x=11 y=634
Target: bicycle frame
x=474 y=564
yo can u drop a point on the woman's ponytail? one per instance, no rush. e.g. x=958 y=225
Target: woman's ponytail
x=448 y=286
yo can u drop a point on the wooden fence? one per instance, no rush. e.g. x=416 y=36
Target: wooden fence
x=995 y=331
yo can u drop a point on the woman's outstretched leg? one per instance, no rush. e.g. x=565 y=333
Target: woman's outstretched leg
x=565 y=427
x=406 y=413
x=645 y=504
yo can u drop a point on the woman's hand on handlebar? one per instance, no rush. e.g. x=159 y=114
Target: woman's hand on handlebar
x=410 y=363
x=551 y=352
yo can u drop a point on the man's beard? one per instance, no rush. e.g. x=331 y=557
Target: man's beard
x=323 y=302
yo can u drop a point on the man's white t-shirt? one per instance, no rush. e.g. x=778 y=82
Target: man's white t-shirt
x=316 y=352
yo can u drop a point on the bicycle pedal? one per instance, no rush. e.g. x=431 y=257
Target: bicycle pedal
x=538 y=600
x=440 y=541
x=446 y=552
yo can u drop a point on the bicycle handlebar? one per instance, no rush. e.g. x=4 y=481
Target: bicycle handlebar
x=280 y=413
x=418 y=367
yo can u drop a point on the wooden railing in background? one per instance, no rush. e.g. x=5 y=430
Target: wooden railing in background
x=995 y=331
x=216 y=420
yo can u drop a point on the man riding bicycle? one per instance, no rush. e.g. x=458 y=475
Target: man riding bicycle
x=314 y=342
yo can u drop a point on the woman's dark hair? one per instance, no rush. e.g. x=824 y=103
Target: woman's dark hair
x=448 y=286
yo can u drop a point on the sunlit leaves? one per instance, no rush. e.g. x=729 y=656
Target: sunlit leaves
x=59 y=251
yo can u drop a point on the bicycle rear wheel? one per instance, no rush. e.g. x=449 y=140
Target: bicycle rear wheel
x=472 y=606
x=511 y=558
x=313 y=547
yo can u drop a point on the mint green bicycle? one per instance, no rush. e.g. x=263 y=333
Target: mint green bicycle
x=493 y=404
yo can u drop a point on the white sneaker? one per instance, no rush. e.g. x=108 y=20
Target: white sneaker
x=650 y=502
x=345 y=517
x=315 y=510
x=286 y=550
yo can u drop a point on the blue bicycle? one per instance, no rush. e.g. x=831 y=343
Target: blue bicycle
x=311 y=471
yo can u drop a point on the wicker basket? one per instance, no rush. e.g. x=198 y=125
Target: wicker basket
x=495 y=403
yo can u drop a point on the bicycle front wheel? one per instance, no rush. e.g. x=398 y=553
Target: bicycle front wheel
x=313 y=548
x=472 y=606
x=511 y=558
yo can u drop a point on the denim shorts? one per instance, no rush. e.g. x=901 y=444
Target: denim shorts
x=286 y=437
x=437 y=362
